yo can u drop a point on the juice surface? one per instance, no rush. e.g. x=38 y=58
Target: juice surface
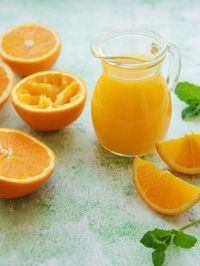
x=130 y=115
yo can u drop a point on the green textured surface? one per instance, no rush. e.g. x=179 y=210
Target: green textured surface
x=88 y=212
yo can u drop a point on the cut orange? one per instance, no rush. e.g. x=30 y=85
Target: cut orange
x=25 y=165
x=30 y=48
x=183 y=154
x=49 y=100
x=161 y=190
x=6 y=82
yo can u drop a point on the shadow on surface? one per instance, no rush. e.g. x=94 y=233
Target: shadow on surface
x=107 y=159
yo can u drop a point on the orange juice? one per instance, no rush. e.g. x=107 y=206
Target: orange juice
x=131 y=110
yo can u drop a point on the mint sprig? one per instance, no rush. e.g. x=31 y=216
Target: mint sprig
x=190 y=94
x=159 y=240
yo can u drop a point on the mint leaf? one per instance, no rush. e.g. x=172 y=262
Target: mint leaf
x=192 y=102
x=156 y=238
x=186 y=90
x=190 y=111
x=158 y=257
x=183 y=240
x=158 y=243
x=160 y=239
x=190 y=94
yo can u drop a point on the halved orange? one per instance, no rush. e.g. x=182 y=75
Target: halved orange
x=6 y=82
x=183 y=154
x=49 y=100
x=30 y=48
x=26 y=163
x=161 y=190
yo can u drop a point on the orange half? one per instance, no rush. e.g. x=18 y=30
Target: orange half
x=161 y=190
x=25 y=163
x=6 y=82
x=49 y=100
x=183 y=154
x=30 y=48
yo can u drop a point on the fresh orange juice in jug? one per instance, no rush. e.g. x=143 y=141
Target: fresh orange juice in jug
x=131 y=103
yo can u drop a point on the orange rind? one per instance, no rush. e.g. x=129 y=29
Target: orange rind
x=49 y=100
x=161 y=190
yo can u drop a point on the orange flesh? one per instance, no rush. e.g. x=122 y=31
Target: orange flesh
x=28 y=42
x=184 y=151
x=163 y=188
x=4 y=81
x=21 y=157
x=48 y=91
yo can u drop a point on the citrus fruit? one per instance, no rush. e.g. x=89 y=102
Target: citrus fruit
x=183 y=154
x=26 y=163
x=49 y=100
x=6 y=82
x=30 y=48
x=161 y=190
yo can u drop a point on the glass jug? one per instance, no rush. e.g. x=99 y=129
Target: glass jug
x=131 y=103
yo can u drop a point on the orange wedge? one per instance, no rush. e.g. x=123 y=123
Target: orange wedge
x=30 y=48
x=26 y=163
x=161 y=190
x=183 y=154
x=49 y=100
x=6 y=82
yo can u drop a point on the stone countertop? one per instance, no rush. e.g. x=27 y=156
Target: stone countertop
x=88 y=212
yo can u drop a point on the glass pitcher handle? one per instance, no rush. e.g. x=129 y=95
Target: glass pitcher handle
x=174 y=65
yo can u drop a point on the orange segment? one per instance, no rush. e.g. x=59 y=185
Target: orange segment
x=30 y=48
x=67 y=94
x=161 y=190
x=49 y=100
x=25 y=163
x=183 y=154
x=6 y=82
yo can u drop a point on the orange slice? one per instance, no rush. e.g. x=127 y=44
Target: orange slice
x=25 y=164
x=49 y=100
x=183 y=154
x=6 y=82
x=161 y=190
x=30 y=48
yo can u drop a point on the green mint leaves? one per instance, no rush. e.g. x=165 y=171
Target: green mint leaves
x=183 y=240
x=158 y=257
x=190 y=111
x=156 y=239
x=161 y=239
x=190 y=94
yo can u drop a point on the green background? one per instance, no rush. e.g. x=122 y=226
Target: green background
x=88 y=212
